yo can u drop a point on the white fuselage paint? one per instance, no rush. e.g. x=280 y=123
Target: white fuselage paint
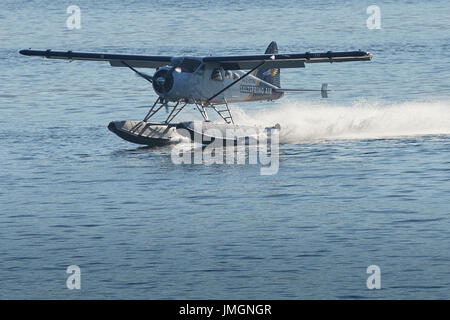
x=200 y=86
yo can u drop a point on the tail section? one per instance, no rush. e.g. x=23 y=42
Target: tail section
x=271 y=76
x=324 y=90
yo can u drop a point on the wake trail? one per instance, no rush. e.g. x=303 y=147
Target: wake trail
x=307 y=121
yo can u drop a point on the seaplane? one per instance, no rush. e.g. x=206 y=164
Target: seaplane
x=210 y=83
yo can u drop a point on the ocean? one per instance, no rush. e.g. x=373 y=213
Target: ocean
x=363 y=177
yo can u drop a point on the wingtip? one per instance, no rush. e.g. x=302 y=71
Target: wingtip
x=26 y=52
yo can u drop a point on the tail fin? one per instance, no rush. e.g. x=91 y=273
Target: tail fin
x=271 y=76
x=324 y=90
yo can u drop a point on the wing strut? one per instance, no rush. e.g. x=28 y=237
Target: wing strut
x=141 y=74
x=234 y=82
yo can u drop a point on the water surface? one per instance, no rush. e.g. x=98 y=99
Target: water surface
x=364 y=176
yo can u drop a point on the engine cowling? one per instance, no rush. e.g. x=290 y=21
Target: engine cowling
x=163 y=81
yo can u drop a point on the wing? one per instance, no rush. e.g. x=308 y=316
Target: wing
x=296 y=60
x=116 y=60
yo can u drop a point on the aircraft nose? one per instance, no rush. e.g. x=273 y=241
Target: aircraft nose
x=161 y=81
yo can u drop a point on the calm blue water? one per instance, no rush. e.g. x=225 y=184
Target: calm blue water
x=364 y=176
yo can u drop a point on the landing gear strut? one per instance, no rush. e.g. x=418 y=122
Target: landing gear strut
x=224 y=113
x=160 y=103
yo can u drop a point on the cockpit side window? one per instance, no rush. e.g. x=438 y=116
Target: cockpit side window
x=189 y=65
x=217 y=74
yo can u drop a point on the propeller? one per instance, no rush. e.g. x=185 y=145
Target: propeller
x=168 y=76
x=162 y=80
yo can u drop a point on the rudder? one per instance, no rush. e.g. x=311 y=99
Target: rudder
x=269 y=75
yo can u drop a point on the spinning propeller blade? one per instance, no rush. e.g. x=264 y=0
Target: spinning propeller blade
x=169 y=74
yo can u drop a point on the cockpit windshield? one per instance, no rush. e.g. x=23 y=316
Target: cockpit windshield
x=189 y=65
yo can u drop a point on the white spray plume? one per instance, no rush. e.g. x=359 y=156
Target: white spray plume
x=306 y=121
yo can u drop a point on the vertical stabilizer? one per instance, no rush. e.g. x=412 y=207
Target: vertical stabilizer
x=271 y=76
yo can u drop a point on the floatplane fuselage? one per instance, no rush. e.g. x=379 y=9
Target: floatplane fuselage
x=193 y=81
x=207 y=82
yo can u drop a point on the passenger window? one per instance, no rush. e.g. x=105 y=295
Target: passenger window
x=217 y=75
x=228 y=74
